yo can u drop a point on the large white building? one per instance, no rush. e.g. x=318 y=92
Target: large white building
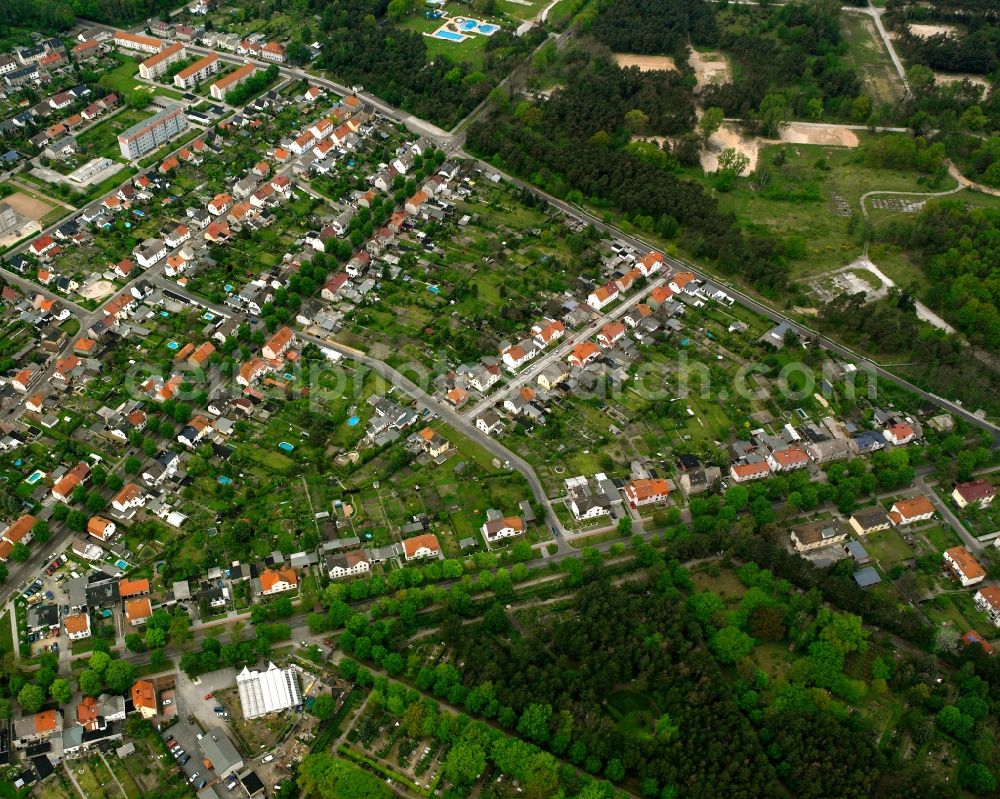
x=271 y=691
x=191 y=76
x=149 y=134
x=158 y=63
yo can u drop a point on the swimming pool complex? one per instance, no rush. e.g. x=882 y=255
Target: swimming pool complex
x=457 y=29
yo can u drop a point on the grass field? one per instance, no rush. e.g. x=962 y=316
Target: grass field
x=125 y=79
x=831 y=240
x=102 y=139
x=471 y=51
x=867 y=53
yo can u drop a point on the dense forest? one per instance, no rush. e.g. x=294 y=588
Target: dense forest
x=795 y=49
x=655 y=27
x=392 y=62
x=577 y=146
x=646 y=680
x=977 y=50
x=958 y=249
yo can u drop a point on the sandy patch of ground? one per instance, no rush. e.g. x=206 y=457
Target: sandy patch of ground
x=97 y=289
x=646 y=63
x=708 y=68
x=795 y=133
x=18 y=233
x=729 y=136
x=955 y=77
x=926 y=31
x=27 y=206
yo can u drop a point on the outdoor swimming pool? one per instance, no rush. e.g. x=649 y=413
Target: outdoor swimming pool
x=475 y=26
x=451 y=36
x=172 y=345
x=164 y=314
x=284 y=446
x=34 y=477
x=352 y=422
x=223 y=480
x=208 y=316
x=121 y=564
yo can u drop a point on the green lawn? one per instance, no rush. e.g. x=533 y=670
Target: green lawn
x=6 y=634
x=125 y=80
x=887 y=546
x=837 y=173
x=102 y=139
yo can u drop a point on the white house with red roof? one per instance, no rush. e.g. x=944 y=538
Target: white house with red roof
x=899 y=434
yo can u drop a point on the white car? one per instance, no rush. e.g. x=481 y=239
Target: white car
x=193 y=777
x=267 y=758
x=167 y=702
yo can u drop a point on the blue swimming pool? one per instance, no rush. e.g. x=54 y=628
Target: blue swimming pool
x=289 y=376
x=451 y=36
x=353 y=421
x=227 y=288
x=488 y=29
x=172 y=345
x=284 y=446
x=138 y=213
x=164 y=314
x=121 y=564
x=223 y=480
x=434 y=289
x=208 y=316
x=34 y=477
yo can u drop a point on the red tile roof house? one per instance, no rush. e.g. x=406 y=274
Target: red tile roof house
x=278 y=344
x=647 y=492
x=908 y=511
x=502 y=527
x=63 y=490
x=602 y=296
x=785 y=460
x=421 y=546
x=611 y=334
x=965 y=567
x=977 y=492
x=276 y=581
x=899 y=434
x=137 y=611
x=744 y=472
x=987 y=599
x=583 y=353
x=548 y=332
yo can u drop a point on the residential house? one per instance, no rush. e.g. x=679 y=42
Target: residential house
x=899 y=434
x=421 y=546
x=611 y=334
x=276 y=581
x=786 y=460
x=77 y=626
x=963 y=566
x=908 y=511
x=100 y=528
x=745 y=472
x=816 y=535
x=583 y=353
x=130 y=497
x=987 y=599
x=870 y=520
x=498 y=526
x=348 y=564
x=278 y=344
x=647 y=491
x=144 y=698
x=602 y=296
x=489 y=421
x=977 y=492
x=138 y=611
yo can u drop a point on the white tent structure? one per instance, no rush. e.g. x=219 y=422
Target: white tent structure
x=270 y=691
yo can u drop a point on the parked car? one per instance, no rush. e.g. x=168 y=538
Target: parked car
x=167 y=702
x=184 y=759
x=193 y=777
x=267 y=758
